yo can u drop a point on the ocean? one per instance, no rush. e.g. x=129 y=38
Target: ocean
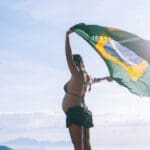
x=41 y=131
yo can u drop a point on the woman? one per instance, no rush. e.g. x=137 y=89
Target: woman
x=79 y=118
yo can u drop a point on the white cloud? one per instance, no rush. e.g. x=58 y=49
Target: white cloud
x=30 y=84
x=33 y=125
x=27 y=82
x=42 y=11
x=63 y=14
x=44 y=126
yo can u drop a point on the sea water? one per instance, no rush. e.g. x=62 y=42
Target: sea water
x=48 y=132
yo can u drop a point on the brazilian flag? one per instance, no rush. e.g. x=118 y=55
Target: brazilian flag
x=126 y=55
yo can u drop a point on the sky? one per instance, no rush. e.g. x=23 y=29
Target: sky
x=33 y=67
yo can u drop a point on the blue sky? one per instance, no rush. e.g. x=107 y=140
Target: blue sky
x=33 y=68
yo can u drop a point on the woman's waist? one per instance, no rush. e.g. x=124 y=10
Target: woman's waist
x=68 y=107
x=75 y=94
x=69 y=101
x=71 y=98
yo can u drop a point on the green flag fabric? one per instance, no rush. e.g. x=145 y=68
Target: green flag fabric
x=126 y=55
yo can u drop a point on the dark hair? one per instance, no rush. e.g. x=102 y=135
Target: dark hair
x=78 y=59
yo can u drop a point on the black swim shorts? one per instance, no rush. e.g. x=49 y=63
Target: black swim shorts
x=80 y=116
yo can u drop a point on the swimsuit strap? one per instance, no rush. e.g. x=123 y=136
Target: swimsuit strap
x=75 y=94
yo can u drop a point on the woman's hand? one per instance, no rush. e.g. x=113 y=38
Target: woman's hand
x=109 y=79
x=68 y=32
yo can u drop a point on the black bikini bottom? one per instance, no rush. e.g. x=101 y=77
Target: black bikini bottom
x=80 y=116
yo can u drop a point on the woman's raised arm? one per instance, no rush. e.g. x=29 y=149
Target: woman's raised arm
x=70 y=62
